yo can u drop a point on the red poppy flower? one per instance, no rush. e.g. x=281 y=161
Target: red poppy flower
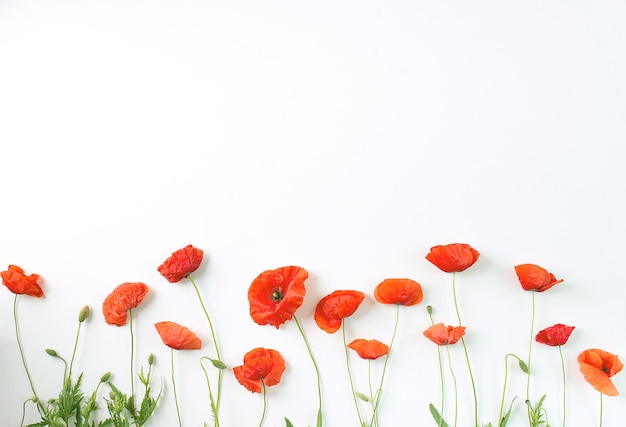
x=369 y=349
x=18 y=283
x=399 y=291
x=441 y=334
x=275 y=295
x=598 y=366
x=335 y=307
x=181 y=263
x=555 y=335
x=535 y=278
x=454 y=257
x=260 y=364
x=126 y=296
x=177 y=336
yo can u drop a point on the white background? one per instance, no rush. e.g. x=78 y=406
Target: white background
x=345 y=137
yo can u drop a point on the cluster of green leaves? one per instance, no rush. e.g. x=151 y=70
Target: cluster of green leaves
x=536 y=413
x=72 y=408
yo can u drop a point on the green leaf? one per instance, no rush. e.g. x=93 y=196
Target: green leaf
x=288 y=423
x=438 y=418
x=505 y=418
x=362 y=397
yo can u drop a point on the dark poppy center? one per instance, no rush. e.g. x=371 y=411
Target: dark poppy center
x=276 y=295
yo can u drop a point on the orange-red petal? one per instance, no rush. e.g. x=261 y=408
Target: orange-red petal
x=181 y=263
x=369 y=349
x=18 y=283
x=554 y=335
x=177 y=336
x=441 y=334
x=275 y=295
x=333 y=308
x=454 y=257
x=260 y=364
x=598 y=366
x=535 y=278
x=124 y=297
x=399 y=291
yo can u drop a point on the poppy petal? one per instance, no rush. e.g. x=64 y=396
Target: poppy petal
x=597 y=366
x=123 y=298
x=275 y=295
x=535 y=278
x=399 y=291
x=260 y=364
x=177 y=336
x=333 y=308
x=20 y=284
x=181 y=263
x=369 y=349
x=454 y=257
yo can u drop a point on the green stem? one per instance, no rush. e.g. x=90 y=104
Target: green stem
x=214 y=337
x=456 y=398
x=132 y=357
x=180 y=423
x=506 y=375
x=264 y=391
x=382 y=378
x=354 y=397
x=208 y=382
x=74 y=352
x=564 y=384
x=440 y=423
x=469 y=367
x=530 y=345
x=600 y=409
x=369 y=382
x=317 y=372
x=19 y=345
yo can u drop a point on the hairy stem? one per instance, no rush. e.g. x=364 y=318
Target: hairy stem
x=19 y=345
x=180 y=422
x=456 y=397
x=354 y=397
x=317 y=370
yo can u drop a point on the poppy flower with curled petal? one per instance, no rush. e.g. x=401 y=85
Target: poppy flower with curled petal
x=554 y=335
x=399 y=291
x=441 y=334
x=18 y=283
x=454 y=257
x=275 y=295
x=126 y=296
x=598 y=366
x=535 y=278
x=177 y=336
x=181 y=263
x=333 y=308
x=260 y=364
x=369 y=349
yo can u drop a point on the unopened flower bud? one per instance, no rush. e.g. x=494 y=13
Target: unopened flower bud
x=84 y=314
x=429 y=309
x=105 y=377
x=151 y=359
x=52 y=352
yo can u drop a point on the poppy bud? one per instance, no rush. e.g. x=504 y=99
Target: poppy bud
x=105 y=377
x=218 y=364
x=429 y=309
x=83 y=314
x=52 y=353
x=151 y=359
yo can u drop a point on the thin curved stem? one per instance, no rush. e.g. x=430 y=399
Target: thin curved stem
x=132 y=356
x=456 y=396
x=564 y=384
x=469 y=366
x=215 y=344
x=180 y=422
x=19 y=345
x=317 y=371
x=600 y=409
x=369 y=382
x=382 y=378
x=440 y=423
x=530 y=343
x=506 y=375
x=354 y=397
x=208 y=382
x=264 y=391
x=74 y=351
